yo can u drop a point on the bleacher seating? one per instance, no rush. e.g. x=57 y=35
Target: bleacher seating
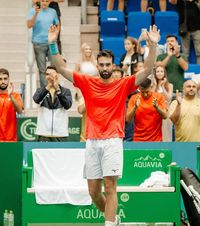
x=137 y=21
x=194 y=68
x=167 y=22
x=112 y=24
x=116 y=45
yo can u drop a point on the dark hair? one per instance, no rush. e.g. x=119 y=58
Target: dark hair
x=106 y=53
x=146 y=83
x=117 y=68
x=171 y=36
x=51 y=67
x=4 y=71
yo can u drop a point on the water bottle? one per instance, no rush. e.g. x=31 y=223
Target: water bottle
x=11 y=218
x=5 y=218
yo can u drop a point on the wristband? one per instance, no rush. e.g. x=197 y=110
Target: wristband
x=179 y=56
x=53 y=48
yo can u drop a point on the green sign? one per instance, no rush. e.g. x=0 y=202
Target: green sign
x=27 y=127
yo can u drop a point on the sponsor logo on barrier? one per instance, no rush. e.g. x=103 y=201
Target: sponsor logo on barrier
x=96 y=214
x=27 y=129
x=124 y=197
x=149 y=162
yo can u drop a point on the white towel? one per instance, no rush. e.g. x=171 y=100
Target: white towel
x=157 y=179
x=58 y=176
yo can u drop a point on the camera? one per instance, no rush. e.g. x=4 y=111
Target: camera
x=37 y=4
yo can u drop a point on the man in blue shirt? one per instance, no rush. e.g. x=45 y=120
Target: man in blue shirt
x=39 y=18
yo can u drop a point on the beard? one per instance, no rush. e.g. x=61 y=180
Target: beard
x=105 y=74
x=3 y=87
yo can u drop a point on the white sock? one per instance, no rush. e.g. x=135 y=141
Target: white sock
x=109 y=223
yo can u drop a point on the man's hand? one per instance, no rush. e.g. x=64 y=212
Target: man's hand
x=53 y=34
x=178 y=97
x=153 y=35
x=10 y=89
x=137 y=101
x=155 y=103
x=55 y=81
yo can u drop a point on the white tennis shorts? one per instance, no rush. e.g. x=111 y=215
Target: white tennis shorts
x=103 y=158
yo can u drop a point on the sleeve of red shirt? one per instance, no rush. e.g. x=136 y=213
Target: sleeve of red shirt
x=131 y=84
x=18 y=99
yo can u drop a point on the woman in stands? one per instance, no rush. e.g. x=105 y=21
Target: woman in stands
x=87 y=65
x=110 y=5
x=161 y=85
x=129 y=60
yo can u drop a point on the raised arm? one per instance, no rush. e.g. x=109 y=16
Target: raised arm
x=56 y=57
x=153 y=37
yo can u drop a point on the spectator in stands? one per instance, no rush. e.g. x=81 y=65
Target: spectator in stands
x=144 y=50
x=40 y=17
x=185 y=114
x=87 y=65
x=110 y=5
x=54 y=101
x=105 y=100
x=144 y=5
x=193 y=25
x=161 y=85
x=10 y=103
x=130 y=125
x=131 y=57
x=174 y=62
x=54 y=4
x=144 y=109
x=117 y=72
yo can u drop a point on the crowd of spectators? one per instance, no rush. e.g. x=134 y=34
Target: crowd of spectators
x=161 y=101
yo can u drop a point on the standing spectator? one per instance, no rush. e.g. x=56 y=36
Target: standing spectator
x=162 y=4
x=10 y=103
x=185 y=114
x=40 y=17
x=161 y=85
x=54 y=101
x=131 y=57
x=110 y=5
x=87 y=65
x=105 y=99
x=147 y=109
x=174 y=62
x=54 y=4
x=193 y=24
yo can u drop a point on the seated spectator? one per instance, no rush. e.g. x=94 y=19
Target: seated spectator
x=131 y=57
x=185 y=114
x=87 y=65
x=117 y=72
x=193 y=25
x=144 y=5
x=54 y=101
x=40 y=17
x=174 y=62
x=10 y=103
x=110 y=5
x=147 y=109
x=161 y=85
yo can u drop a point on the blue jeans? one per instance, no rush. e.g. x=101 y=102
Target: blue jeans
x=41 y=53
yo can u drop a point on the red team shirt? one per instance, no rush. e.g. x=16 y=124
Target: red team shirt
x=8 y=121
x=105 y=105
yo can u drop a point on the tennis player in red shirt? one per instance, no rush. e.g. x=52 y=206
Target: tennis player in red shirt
x=105 y=100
